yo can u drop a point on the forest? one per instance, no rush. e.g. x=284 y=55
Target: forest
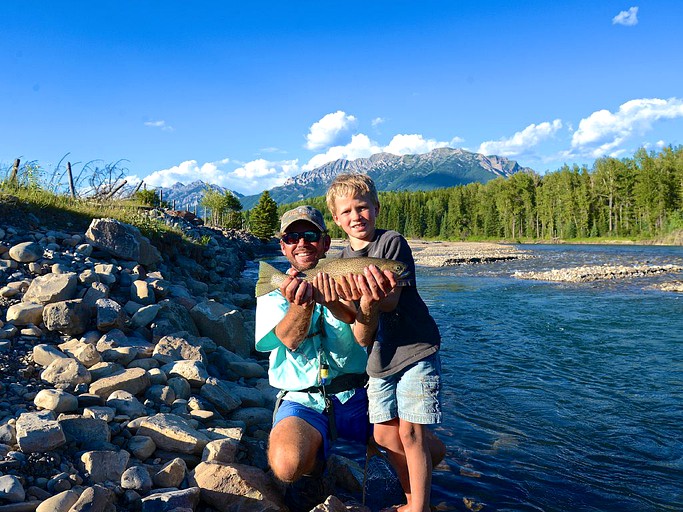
x=637 y=198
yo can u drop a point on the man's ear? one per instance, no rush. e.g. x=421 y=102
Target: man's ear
x=282 y=248
x=327 y=242
x=377 y=209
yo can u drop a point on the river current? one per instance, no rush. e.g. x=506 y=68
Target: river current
x=560 y=397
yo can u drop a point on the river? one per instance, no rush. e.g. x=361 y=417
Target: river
x=558 y=396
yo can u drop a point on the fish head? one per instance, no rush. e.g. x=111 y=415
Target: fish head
x=397 y=267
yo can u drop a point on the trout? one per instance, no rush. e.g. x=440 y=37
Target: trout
x=270 y=278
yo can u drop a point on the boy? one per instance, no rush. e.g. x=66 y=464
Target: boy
x=403 y=340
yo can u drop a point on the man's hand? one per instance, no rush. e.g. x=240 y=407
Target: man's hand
x=297 y=291
x=325 y=289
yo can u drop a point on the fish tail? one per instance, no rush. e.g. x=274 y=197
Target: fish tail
x=267 y=278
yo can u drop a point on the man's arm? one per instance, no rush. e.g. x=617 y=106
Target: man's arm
x=294 y=327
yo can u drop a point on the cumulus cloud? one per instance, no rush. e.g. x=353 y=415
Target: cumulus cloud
x=249 y=178
x=159 y=124
x=414 y=144
x=377 y=121
x=521 y=142
x=603 y=132
x=627 y=18
x=332 y=130
x=360 y=146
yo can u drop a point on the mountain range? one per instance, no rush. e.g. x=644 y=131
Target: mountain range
x=188 y=197
x=440 y=168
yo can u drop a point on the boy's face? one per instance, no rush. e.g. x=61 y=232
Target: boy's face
x=356 y=216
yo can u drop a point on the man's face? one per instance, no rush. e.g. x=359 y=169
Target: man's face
x=303 y=255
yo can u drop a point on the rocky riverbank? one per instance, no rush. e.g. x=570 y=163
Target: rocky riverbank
x=443 y=254
x=127 y=379
x=599 y=272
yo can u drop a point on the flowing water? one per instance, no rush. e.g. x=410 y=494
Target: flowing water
x=559 y=396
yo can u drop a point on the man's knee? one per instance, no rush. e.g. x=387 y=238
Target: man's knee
x=292 y=449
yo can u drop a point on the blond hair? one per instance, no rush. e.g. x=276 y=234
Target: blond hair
x=348 y=184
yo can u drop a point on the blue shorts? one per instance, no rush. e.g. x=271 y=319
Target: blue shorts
x=351 y=418
x=413 y=394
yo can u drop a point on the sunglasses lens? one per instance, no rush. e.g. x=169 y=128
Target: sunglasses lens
x=308 y=236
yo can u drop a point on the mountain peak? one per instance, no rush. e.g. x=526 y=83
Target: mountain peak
x=440 y=168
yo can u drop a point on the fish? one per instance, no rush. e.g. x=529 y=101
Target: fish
x=270 y=278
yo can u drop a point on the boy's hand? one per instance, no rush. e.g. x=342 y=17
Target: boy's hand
x=374 y=285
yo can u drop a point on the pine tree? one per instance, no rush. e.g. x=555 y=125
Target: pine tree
x=263 y=218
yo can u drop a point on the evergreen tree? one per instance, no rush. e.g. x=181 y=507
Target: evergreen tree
x=264 y=217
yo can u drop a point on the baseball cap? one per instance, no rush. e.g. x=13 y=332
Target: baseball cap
x=307 y=213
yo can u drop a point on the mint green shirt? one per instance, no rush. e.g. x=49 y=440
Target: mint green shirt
x=329 y=340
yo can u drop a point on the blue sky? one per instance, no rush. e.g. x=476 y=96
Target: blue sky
x=245 y=95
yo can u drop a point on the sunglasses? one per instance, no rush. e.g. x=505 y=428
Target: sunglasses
x=308 y=236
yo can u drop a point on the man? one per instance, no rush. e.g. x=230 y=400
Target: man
x=314 y=359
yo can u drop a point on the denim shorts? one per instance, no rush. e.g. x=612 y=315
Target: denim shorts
x=351 y=418
x=413 y=394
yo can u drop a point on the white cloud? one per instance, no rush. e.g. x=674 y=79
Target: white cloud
x=377 y=121
x=603 y=132
x=159 y=124
x=360 y=147
x=414 y=144
x=627 y=18
x=521 y=142
x=332 y=130
x=250 y=178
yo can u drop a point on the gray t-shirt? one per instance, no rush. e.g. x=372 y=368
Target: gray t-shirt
x=407 y=334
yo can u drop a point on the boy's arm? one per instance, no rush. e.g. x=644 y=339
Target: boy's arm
x=376 y=288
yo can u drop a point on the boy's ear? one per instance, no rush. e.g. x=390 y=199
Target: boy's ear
x=335 y=218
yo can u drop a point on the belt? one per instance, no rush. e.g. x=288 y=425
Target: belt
x=343 y=382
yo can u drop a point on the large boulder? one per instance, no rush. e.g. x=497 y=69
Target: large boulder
x=223 y=325
x=228 y=487
x=122 y=241
x=173 y=433
x=68 y=317
x=52 y=288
